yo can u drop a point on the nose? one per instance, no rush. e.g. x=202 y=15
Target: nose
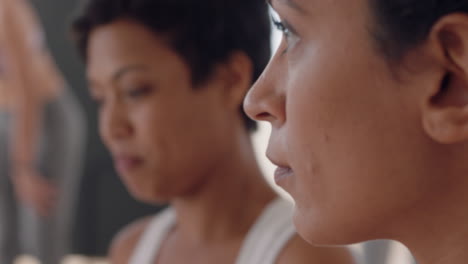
x=265 y=101
x=113 y=122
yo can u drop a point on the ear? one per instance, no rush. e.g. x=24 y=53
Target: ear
x=445 y=113
x=237 y=79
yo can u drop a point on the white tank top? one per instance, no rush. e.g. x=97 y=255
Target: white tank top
x=262 y=245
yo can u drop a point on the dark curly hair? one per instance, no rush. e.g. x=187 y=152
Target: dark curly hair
x=204 y=33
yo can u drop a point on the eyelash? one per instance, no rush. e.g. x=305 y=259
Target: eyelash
x=280 y=26
x=139 y=91
x=288 y=33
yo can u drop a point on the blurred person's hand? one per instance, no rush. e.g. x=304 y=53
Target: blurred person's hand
x=35 y=191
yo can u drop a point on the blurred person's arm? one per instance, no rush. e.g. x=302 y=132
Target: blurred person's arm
x=30 y=187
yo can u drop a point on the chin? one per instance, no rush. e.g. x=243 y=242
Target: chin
x=149 y=195
x=320 y=230
x=309 y=230
x=151 y=199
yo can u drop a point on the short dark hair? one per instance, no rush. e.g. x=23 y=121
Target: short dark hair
x=203 y=32
x=404 y=24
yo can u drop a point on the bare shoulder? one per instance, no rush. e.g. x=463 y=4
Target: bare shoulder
x=298 y=251
x=126 y=240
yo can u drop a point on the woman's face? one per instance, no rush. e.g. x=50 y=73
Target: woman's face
x=346 y=134
x=164 y=134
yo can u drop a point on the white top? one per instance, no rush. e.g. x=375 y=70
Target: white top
x=262 y=245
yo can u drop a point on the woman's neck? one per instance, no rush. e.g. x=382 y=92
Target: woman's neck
x=448 y=245
x=440 y=234
x=228 y=204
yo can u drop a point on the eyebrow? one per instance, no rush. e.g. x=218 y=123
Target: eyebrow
x=125 y=70
x=92 y=86
x=291 y=3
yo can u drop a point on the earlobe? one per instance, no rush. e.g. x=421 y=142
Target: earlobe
x=447 y=125
x=445 y=115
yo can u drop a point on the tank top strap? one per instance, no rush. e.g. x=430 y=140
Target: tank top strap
x=269 y=235
x=148 y=247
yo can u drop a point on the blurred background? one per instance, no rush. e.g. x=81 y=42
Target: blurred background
x=104 y=206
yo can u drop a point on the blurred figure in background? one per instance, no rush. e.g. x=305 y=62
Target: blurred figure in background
x=42 y=133
x=104 y=205
x=169 y=77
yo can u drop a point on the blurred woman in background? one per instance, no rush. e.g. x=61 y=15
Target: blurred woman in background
x=170 y=77
x=41 y=138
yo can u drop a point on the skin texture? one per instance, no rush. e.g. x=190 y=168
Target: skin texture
x=369 y=149
x=172 y=142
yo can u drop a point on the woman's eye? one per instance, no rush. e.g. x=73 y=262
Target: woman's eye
x=139 y=91
x=281 y=26
x=289 y=35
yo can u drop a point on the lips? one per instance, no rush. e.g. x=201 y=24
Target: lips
x=127 y=163
x=282 y=173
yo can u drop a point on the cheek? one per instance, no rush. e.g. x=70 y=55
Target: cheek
x=180 y=142
x=104 y=126
x=345 y=138
x=157 y=133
